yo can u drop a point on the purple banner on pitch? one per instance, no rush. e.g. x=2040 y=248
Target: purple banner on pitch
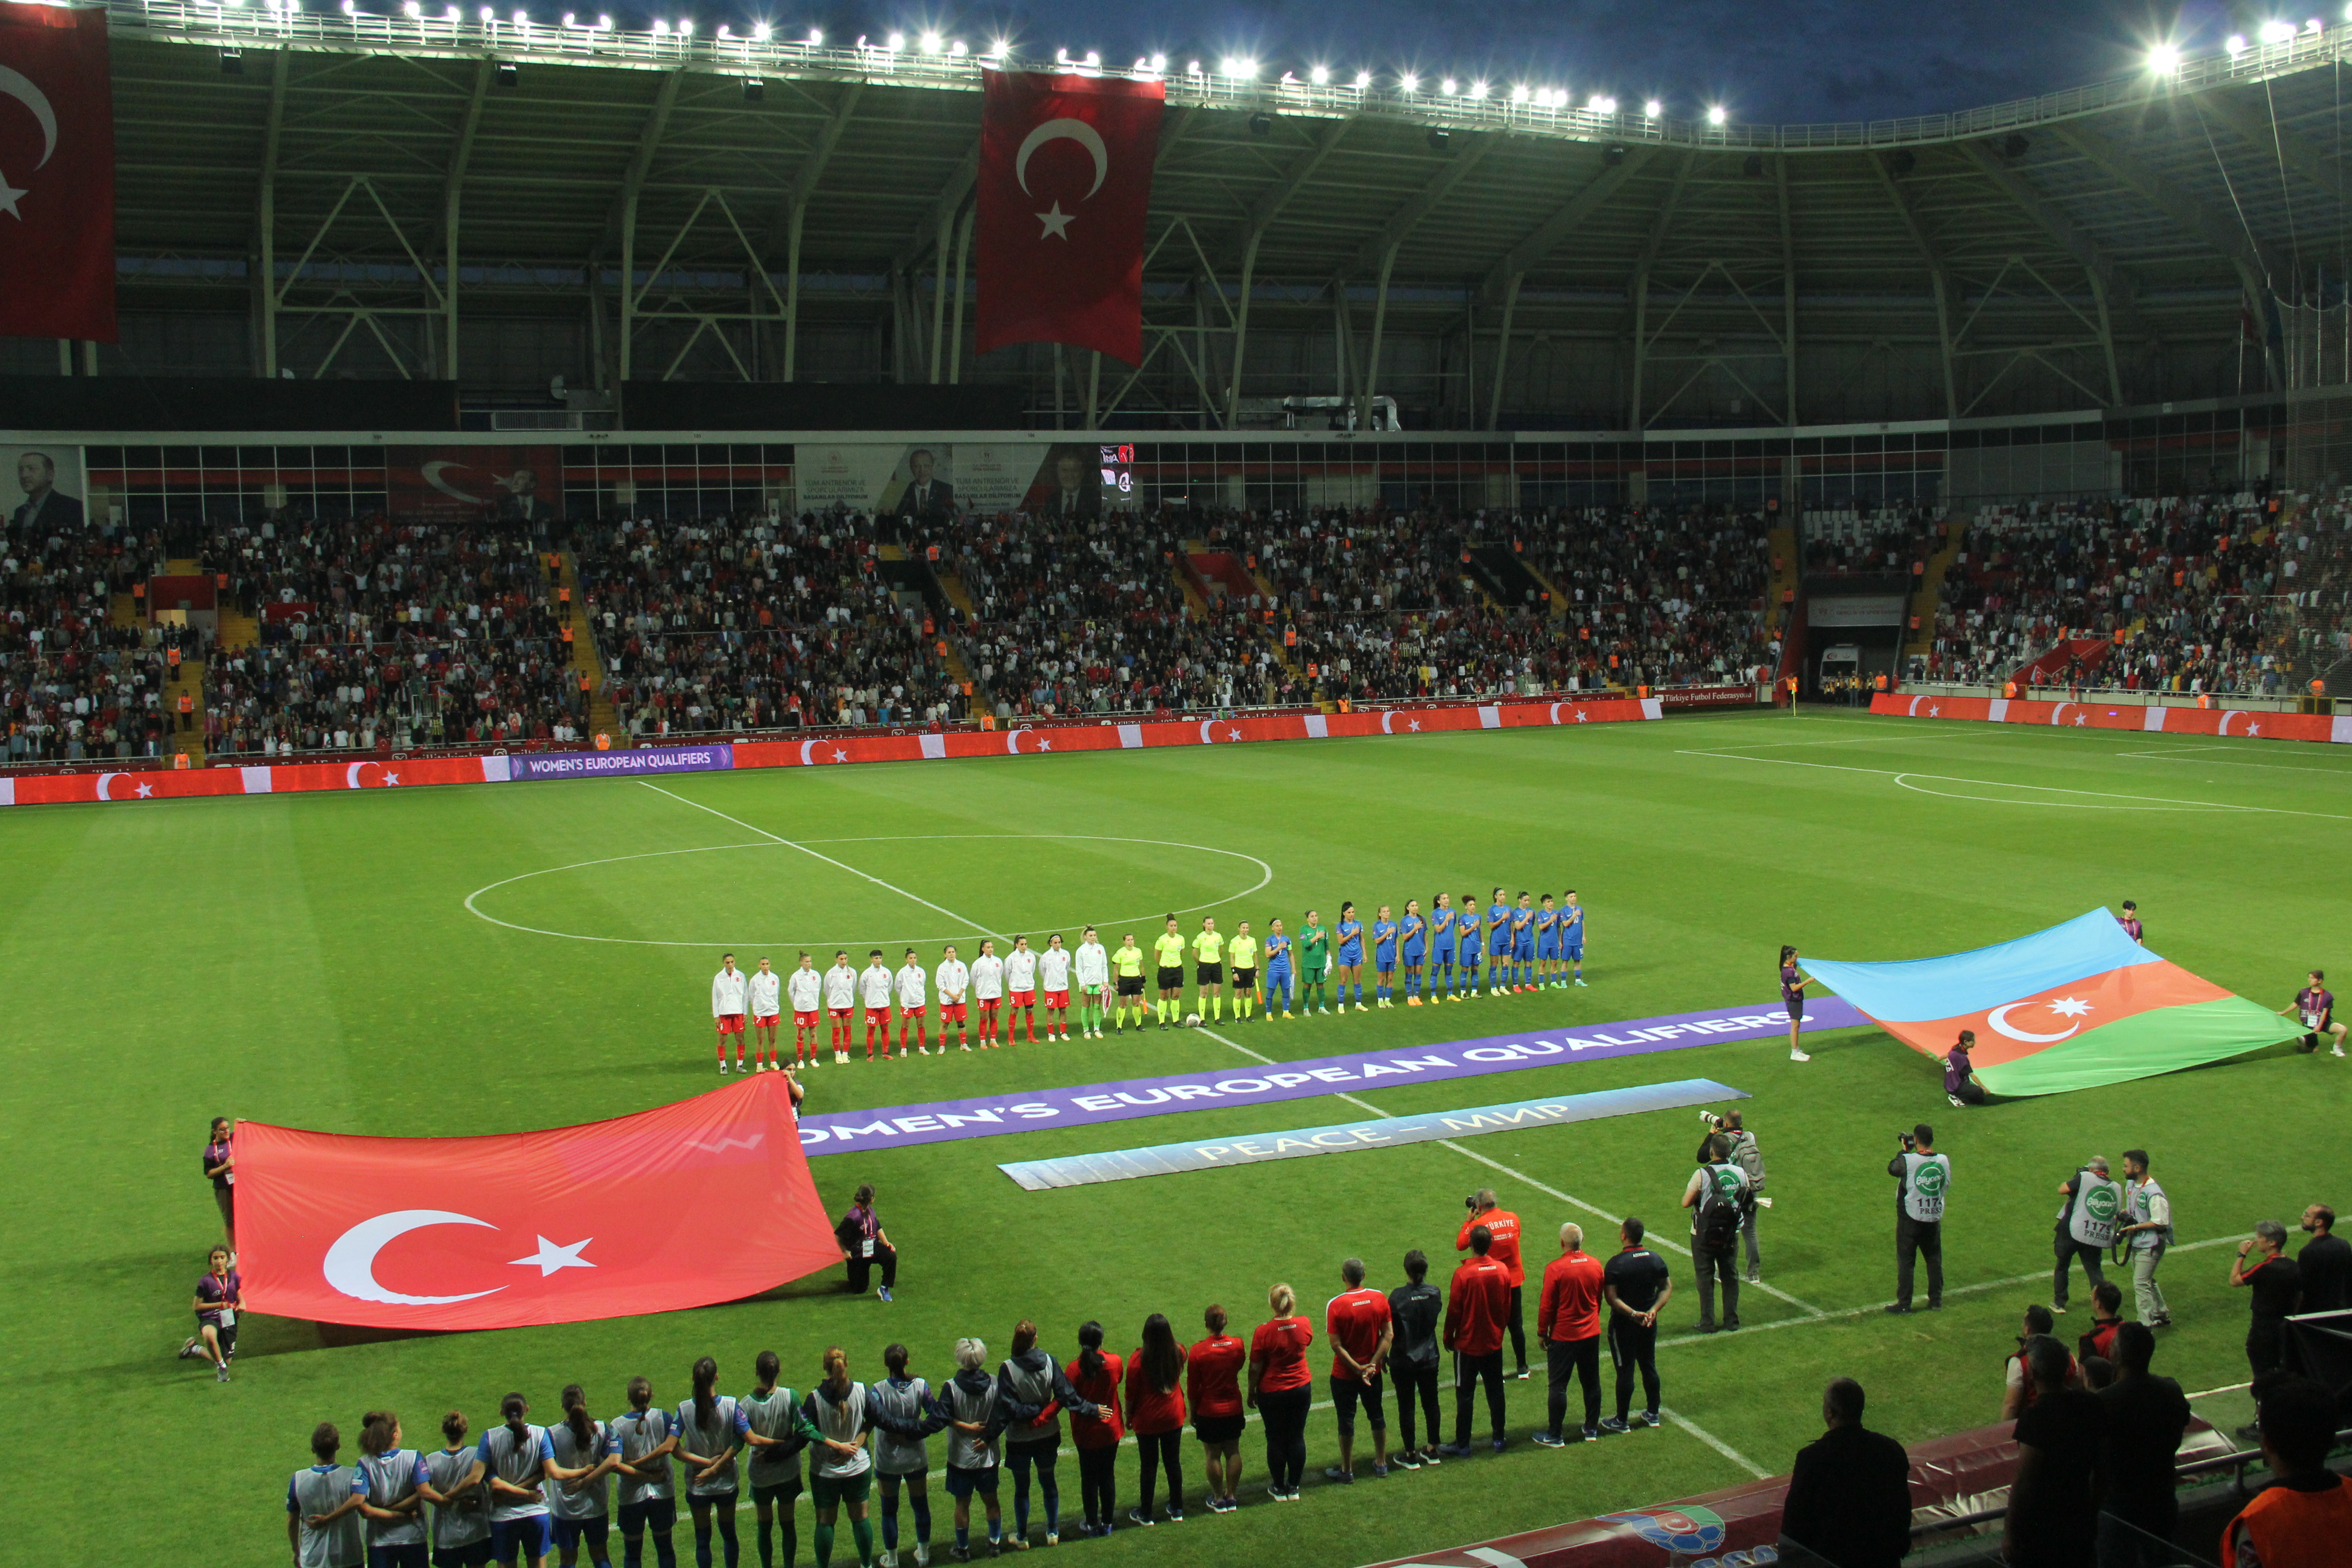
x=1092 y=1104
x=623 y=764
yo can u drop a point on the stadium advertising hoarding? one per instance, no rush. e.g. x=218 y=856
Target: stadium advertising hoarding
x=460 y=484
x=2144 y=716
x=709 y=759
x=985 y=478
x=1092 y=1104
x=1685 y=699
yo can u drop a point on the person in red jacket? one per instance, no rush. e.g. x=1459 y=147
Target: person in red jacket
x=1155 y=1411
x=1476 y=1306
x=1282 y=1389
x=1357 y=1321
x=1096 y=1375
x=1503 y=1228
x=1212 y=1389
x=1568 y=1317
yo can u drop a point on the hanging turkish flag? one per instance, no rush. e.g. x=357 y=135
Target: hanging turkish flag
x=1065 y=185
x=57 y=173
x=707 y=1200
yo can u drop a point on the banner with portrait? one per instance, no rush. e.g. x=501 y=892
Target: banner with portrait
x=523 y=485
x=983 y=479
x=45 y=487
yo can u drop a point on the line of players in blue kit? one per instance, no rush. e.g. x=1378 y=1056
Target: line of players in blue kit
x=1530 y=943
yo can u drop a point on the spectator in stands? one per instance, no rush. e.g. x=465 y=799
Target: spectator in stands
x=1849 y=1501
x=2018 y=1388
x=2323 y=1266
x=2274 y=1285
x=2146 y=1418
x=2053 y=1520
x=2106 y=1317
x=2303 y=1519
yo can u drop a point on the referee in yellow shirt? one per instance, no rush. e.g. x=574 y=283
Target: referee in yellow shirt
x=1209 y=968
x=1241 y=962
x=1126 y=980
x=1168 y=953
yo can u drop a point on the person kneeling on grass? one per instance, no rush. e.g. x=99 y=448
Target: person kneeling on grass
x=969 y=1410
x=220 y=1296
x=2315 y=1005
x=1960 y=1085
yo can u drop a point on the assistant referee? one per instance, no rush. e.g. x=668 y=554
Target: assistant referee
x=1209 y=968
x=1168 y=953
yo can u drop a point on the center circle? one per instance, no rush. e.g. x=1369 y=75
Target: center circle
x=806 y=851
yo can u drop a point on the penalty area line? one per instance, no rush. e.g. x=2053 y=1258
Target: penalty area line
x=842 y=865
x=1521 y=1176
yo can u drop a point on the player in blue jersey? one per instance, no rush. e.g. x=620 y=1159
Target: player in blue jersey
x=1523 y=944
x=1547 y=945
x=1348 y=960
x=1572 y=935
x=1413 y=946
x=1498 y=944
x=1441 y=948
x=1384 y=958
x=1277 y=968
x=1472 y=943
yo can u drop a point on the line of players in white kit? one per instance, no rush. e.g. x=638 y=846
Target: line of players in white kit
x=747 y=1005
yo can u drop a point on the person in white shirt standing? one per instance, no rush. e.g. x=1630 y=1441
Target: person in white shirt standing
x=807 y=989
x=767 y=991
x=988 y=990
x=954 y=982
x=1092 y=968
x=1054 y=980
x=730 y=990
x=841 y=1003
x=913 y=984
x=1020 y=988
x=873 y=988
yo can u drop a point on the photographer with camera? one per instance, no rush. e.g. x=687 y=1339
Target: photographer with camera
x=2087 y=1227
x=1924 y=1177
x=1750 y=1159
x=1720 y=1201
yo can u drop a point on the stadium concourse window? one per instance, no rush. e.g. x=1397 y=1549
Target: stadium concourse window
x=177 y=487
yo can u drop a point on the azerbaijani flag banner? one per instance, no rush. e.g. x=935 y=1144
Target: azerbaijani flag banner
x=2072 y=1007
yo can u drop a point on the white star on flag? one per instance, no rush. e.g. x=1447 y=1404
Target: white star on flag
x=2078 y=718
x=1413 y=724
x=550 y=1257
x=146 y=790
x=1044 y=745
x=1934 y=711
x=8 y=195
x=2070 y=1006
x=1580 y=715
x=839 y=755
x=1057 y=223
x=391 y=778
x=2252 y=728
x=1233 y=734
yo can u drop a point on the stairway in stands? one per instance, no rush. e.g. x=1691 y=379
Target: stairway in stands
x=188 y=681
x=921 y=575
x=1927 y=589
x=1782 y=600
x=1282 y=654
x=603 y=719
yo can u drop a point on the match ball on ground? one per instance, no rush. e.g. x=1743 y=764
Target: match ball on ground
x=1191 y=1020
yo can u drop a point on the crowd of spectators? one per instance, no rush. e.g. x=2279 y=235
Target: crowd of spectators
x=74 y=683
x=2179 y=593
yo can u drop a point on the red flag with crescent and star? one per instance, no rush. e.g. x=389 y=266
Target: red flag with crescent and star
x=57 y=173
x=708 y=1200
x=1065 y=185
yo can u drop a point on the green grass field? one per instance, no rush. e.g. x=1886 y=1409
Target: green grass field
x=312 y=961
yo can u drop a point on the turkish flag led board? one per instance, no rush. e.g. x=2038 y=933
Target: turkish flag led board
x=1065 y=186
x=57 y=174
x=708 y=1200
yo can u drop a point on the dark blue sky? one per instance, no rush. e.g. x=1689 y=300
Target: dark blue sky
x=1780 y=60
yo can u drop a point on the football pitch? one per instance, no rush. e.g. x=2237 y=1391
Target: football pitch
x=494 y=958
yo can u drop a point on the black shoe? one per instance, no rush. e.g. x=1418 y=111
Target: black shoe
x=1707 y=1328
x=1732 y=1321
x=1935 y=1306
x=1899 y=1308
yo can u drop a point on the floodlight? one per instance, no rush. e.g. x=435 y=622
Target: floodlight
x=1363 y=80
x=1159 y=62
x=488 y=14
x=1409 y=82
x=1653 y=109
x=2165 y=59
x=956 y=49
x=815 y=37
x=895 y=41
x=2277 y=32
x=1319 y=75
x=760 y=31
x=1477 y=89
x=1718 y=115
x=1449 y=87
x=1236 y=66
x=2236 y=44
x=410 y=9
x=932 y=42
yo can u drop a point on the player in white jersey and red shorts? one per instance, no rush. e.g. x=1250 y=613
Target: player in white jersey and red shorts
x=730 y=990
x=805 y=987
x=954 y=984
x=1020 y=988
x=875 y=984
x=841 y=1003
x=766 y=992
x=988 y=992
x=1054 y=980
x=913 y=984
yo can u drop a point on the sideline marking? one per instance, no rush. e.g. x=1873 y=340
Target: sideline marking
x=2225 y=807
x=1265 y=875
x=1715 y=1443
x=1901 y=781
x=2202 y=755
x=1592 y=1209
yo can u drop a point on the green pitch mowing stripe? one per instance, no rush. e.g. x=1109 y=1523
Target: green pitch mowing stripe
x=312 y=961
x=1356 y=1137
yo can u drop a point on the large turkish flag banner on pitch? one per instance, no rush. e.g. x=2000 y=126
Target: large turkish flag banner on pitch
x=1065 y=185
x=708 y=1200
x=57 y=174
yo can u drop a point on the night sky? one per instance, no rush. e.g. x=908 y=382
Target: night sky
x=1767 y=60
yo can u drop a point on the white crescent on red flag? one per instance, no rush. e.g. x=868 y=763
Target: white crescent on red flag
x=1063 y=188
x=57 y=173
x=705 y=1201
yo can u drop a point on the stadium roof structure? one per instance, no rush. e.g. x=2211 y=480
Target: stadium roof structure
x=719 y=207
